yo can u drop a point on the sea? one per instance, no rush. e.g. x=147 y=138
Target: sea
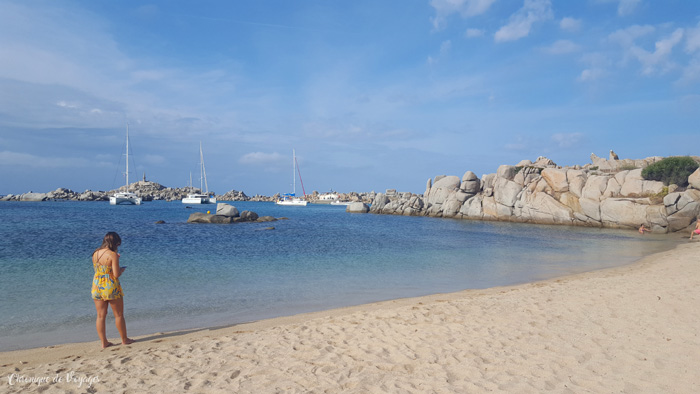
x=183 y=276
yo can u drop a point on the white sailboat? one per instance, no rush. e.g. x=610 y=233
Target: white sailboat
x=125 y=197
x=200 y=198
x=290 y=198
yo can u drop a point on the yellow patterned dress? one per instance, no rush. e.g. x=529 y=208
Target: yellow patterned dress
x=105 y=287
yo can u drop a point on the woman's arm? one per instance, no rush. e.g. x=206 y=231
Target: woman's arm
x=116 y=271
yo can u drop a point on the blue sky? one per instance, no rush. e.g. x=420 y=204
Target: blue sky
x=371 y=94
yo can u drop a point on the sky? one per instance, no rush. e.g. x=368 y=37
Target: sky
x=371 y=95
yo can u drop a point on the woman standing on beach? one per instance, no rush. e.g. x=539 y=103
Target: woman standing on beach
x=106 y=289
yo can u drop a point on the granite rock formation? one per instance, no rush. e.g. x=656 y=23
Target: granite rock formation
x=225 y=214
x=605 y=193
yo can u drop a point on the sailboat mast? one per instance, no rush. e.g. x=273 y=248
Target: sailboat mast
x=127 y=157
x=294 y=175
x=203 y=170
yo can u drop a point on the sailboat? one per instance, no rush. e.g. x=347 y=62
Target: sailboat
x=200 y=198
x=290 y=198
x=125 y=197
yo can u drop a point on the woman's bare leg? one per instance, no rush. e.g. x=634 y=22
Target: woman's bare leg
x=102 y=307
x=119 y=321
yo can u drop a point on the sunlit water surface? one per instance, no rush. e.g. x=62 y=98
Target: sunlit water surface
x=183 y=276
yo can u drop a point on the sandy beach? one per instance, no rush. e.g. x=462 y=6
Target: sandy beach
x=634 y=329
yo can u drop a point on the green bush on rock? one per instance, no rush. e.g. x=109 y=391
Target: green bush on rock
x=671 y=170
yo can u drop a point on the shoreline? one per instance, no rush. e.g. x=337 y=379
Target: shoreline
x=632 y=328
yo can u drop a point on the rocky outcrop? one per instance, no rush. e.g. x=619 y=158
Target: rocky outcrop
x=224 y=209
x=226 y=213
x=33 y=197
x=357 y=207
x=605 y=193
x=694 y=179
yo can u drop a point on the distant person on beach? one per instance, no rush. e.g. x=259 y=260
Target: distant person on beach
x=106 y=289
x=642 y=229
x=696 y=230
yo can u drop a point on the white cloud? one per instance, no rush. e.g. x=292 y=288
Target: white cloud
x=471 y=33
x=16 y=159
x=660 y=58
x=466 y=8
x=596 y=66
x=626 y=37
x=561 y=47
x=520 y=23
x=260 y=158
x=445 y=48
x=591 y=74
x=692 y=39
x=65 y=104
x=570 y=24
x=626 y=7
x=691 y=73
x=566 y=140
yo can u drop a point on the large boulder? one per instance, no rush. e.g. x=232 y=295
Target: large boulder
x=556 y=179
x=506 y=171
x=543 y=162
x=489 y=208
x=694 y=179
x=470 y=183
x=442 y=188
x=472 y=208
x=577 y=180
x=224 y=209
x=248 y=216
x=357 y=207
x=451 y=206
x=633 y=185
x=543 y=208
x=378 y=203
x=199 y=217
x=595 y=186
x=506 y=192
x=620 y=212
x=613 y=188
x=590 y=208
x=219 y=219
x=267 y=219
x=33 y=197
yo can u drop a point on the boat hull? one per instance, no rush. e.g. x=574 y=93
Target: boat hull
x=295 y=202
x=124 y=199
x=199 y=199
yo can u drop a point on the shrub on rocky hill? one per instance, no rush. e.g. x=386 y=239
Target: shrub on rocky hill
x=671 y=170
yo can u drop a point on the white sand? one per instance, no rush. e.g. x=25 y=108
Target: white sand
x=633 y=329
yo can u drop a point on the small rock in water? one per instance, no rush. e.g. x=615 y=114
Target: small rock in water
x=160 y=222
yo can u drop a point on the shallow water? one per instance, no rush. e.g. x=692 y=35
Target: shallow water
x=182 y=275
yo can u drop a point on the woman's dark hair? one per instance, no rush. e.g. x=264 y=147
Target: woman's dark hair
x=111 y=241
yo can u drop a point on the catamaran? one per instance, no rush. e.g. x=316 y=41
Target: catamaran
x=290 y=198
x=125 y=197
x=200 y=198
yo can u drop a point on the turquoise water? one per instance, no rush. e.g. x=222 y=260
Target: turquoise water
x=183 y=276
